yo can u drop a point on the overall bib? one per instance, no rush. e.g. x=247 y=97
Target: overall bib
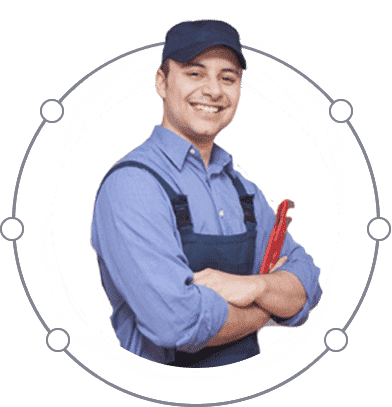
x=232 y=254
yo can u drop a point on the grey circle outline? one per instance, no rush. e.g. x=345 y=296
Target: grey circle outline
x=203 y=404
x=368 y=227
x=62 y=110
x=325 y=339
x=65 y=347
x=1 y=229
x=341 y=121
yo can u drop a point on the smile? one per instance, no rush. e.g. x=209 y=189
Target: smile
x=207 y=108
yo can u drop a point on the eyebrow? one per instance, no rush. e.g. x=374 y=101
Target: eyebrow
x=200 y=65
x=235 y=71
x=189 y=63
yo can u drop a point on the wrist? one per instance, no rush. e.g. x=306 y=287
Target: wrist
x=261 y=316
x=261 y=288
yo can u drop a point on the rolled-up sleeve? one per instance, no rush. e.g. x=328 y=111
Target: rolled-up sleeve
x=136 y=236
x=298 y=263
x=301 y=265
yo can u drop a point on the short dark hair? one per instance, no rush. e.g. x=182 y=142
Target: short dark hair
x=165 y=68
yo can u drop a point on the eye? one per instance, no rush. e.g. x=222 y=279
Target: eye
x=194 y=74
x=228 y=79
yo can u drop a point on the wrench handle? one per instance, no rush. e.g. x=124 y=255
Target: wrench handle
x=277 y=236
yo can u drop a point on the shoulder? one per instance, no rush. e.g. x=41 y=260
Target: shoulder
x=131 y=197
x=125 y=178
x=125 y=182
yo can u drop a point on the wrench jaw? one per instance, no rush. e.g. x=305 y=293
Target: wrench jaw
x=282 y=210
x=290 y=204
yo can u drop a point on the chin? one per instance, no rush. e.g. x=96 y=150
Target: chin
x=203 y=133
x=206 y=131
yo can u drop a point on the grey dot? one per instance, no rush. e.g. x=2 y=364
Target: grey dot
x=340 y=103
x=6 y=234
x=58 y=340
x=329 y=333
x=52 y=117
x=379 y=229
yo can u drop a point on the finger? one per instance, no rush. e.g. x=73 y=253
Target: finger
x=200 y=274
x=197 y=279
x=278 y=264
x=200 y=277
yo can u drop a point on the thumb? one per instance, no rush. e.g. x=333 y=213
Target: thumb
x=278 y=264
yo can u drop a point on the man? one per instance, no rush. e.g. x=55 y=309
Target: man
x=180 y=235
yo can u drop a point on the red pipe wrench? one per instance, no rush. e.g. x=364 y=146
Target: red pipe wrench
x=277 y=237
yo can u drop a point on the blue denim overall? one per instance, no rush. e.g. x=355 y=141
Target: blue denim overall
x=232 y=254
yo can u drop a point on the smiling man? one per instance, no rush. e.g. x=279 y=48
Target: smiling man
x=188 y=111
x=180 y=235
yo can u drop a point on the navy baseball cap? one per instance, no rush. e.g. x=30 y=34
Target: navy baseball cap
x=186 y=40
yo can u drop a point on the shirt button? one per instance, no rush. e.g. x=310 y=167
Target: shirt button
x=221 y=213
x=192 y=151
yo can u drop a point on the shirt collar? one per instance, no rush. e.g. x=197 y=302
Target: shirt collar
x=177 y=149
x=172 y=145
x=219 y=160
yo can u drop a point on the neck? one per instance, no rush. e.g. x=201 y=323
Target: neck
x=205 y=152
x=204 y=146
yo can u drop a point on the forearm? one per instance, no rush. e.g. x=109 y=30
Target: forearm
x=240 y=322
x=280 y=293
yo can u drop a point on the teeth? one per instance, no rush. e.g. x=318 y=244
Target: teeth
x=206 y=108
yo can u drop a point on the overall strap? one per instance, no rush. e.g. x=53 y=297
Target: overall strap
x=179 y=202
x=245 y=199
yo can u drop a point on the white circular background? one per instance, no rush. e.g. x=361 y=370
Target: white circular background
x=282 y=138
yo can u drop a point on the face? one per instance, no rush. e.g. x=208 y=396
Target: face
x=201 y=96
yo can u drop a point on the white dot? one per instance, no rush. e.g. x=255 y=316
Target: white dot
x=12 y=228
x=221 y=213
x=192 y=151
x=379 y=228
x=341 y=110
x=336 y=340
x=52 y=110
x=57 y=340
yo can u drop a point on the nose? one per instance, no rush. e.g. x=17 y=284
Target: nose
x=212 y=88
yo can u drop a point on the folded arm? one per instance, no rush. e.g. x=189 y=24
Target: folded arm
x=137 y=237
x=287 y=294
x=279 y=293
x=240 y=322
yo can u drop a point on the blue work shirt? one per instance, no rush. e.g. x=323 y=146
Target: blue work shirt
x=134 y=232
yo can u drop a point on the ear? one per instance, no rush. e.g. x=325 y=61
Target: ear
x=160 y=83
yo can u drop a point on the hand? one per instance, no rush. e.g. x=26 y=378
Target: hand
x=240 y=291
x=278 y=264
